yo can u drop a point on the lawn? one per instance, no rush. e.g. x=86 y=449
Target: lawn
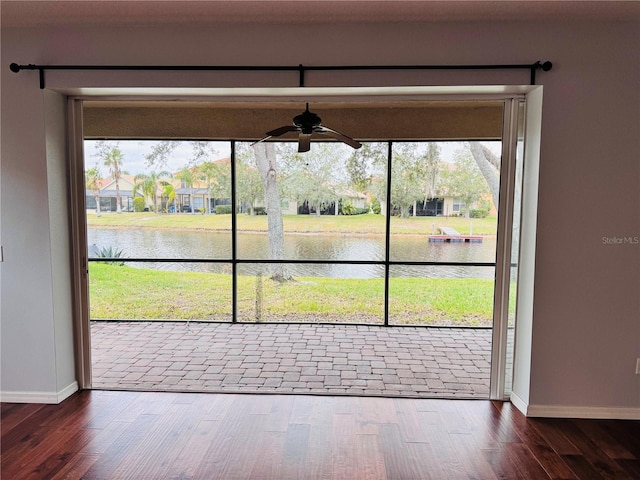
x=360 y=224
x=123 y=292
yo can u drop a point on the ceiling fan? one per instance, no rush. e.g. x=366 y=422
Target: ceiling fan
x=309 y=123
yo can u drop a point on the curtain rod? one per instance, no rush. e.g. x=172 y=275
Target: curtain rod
x=301 y=69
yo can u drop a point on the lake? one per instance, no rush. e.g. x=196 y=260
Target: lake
x=189 y=244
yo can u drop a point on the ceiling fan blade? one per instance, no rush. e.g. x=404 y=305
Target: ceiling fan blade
x=282 y=130
x=304 y=142
x=338 y=136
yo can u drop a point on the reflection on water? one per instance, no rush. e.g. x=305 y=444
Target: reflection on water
x=148 y=243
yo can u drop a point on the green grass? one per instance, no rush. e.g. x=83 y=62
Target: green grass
x=360 y=224
x=122 y=292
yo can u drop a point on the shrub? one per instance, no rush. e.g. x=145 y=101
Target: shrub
x=110 y=252
x=138 y=204
x=348 y=209
x=375 y=207
x=361 y=211
x=259 y=211
x=478 y=213
x=223 y=209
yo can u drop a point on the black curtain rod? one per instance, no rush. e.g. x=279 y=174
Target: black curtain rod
x=301 y=69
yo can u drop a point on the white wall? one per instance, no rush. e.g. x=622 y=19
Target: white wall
x=586 y=325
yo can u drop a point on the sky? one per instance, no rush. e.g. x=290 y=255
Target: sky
x=135 y=151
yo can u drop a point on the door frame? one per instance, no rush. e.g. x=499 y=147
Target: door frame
x=512 y=96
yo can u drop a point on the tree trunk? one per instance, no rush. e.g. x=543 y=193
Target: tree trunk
x=489 y=166
x=265 y=154
x=118 y=201
x=98 y=213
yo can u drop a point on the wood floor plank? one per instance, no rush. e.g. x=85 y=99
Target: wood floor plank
x=268 y=462
x=119 y=435
x=368 y=453
x=605 y=441
x=592 y=452
x=468 y=450
x=502 y=464
x=296 y=447
x=15 y=413
x=549 y=459
x=120 y=450
x=631 y=466
x=552 y=430
x=581 y=467
x=524 y=459
x=402 y=460
x=76 y=467
x=220 y=441
x=624 y=431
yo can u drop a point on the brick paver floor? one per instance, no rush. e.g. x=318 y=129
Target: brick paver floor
x=319 y=359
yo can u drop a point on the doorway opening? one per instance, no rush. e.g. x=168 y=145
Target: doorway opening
x=401 y=234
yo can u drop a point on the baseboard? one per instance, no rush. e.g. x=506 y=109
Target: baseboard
x=39 y=397
x=605 y=413
x=557 y=411
x=519 y=403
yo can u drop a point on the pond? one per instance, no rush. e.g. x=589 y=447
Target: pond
x=152 y=243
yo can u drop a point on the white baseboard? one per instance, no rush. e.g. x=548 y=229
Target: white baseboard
x=558 y=411
x=39 y=397
x=519 y=403
x=605 y=413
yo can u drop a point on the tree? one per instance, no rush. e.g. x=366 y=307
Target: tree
x=160 y=153
x=428 y=169
x=169 y=193
x=148 y=184
x=188 y=177
x=367 y=169
x=249 y=185
x=93 y=182
x=208 y=172
x=267 y=165
x=364 y=162
x=465 y=180
x=112 y=158
x=216 y=174
x=407 y=175
x=314 y=176
x=489 y=165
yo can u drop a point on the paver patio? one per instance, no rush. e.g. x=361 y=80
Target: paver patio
x=284 y=358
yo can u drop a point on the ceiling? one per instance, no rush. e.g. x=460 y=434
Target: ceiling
x=36 y=13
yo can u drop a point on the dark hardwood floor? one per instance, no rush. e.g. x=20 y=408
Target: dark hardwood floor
x=136 y=435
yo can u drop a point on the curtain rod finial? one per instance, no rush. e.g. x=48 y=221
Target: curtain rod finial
x=546 y=66
x=14 y=67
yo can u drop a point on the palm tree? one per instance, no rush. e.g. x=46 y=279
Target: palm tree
x=207 y=172
x=188 y=178
x=217 y=175
x=169 y=192
x=148 y=185
x=113 y=158
x=93 y=182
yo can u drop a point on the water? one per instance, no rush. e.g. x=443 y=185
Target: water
x=150 y=243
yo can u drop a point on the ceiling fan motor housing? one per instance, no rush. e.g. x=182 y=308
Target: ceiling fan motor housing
x=307 y=121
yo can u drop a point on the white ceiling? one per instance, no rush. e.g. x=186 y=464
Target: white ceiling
x=37 y=13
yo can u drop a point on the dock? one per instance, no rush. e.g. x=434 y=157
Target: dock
x=451 y=235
